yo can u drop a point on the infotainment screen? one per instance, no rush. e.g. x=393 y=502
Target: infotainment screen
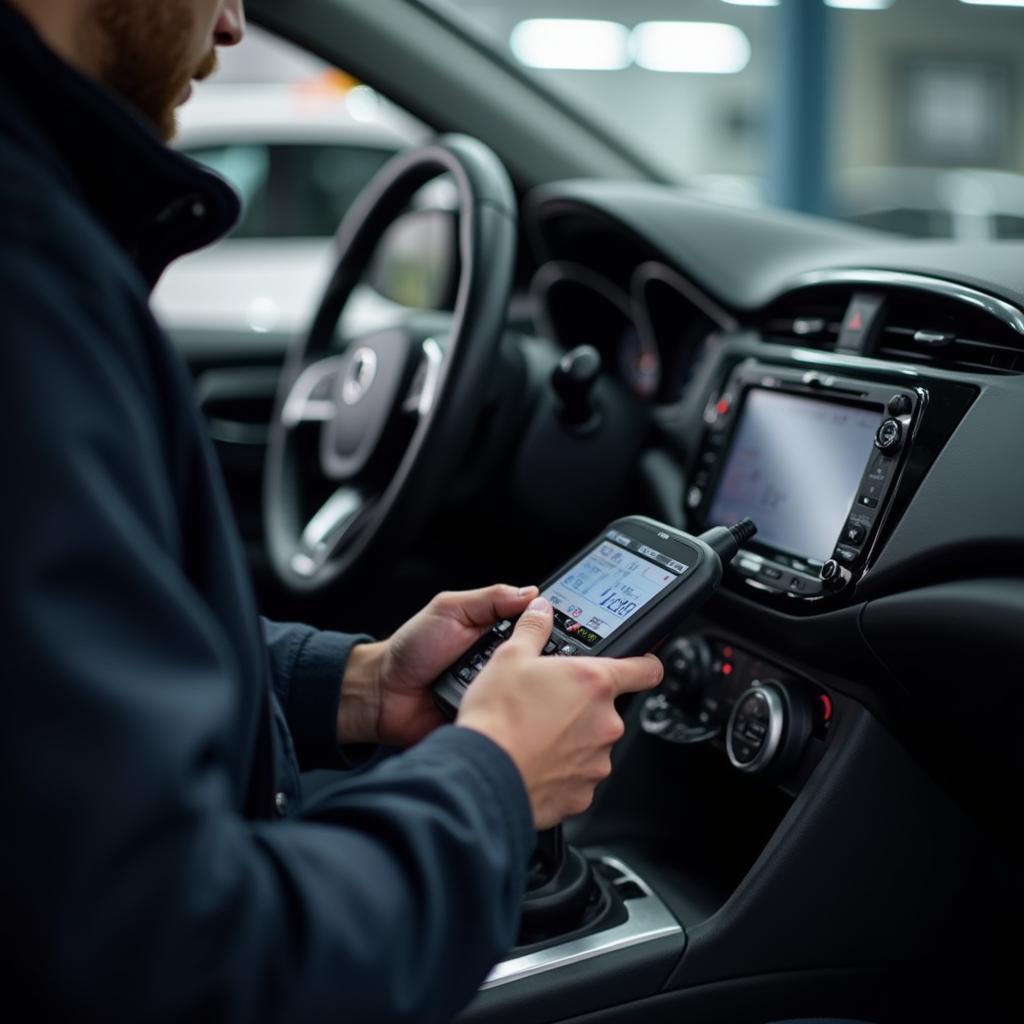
x=596 y=595
x=794 y=465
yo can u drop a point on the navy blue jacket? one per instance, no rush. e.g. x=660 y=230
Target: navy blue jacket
x=157 y=862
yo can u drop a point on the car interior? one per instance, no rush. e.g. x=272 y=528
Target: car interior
x=815 y=813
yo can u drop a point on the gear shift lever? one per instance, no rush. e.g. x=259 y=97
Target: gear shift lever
x=558 y=889
x=548 y=856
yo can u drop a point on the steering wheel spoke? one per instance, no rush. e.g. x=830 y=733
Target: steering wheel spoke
x=426 y=380
x=327 y=529
x=311 y=399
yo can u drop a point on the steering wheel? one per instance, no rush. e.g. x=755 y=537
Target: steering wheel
x=368 y=432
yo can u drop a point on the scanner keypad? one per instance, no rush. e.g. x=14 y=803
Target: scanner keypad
x=471 y=664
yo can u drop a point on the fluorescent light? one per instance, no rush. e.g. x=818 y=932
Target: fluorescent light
x=363 y=103
x=860 y=5
x=995 y=3
x=576 y=44
x=701 y=47
x=753 y=3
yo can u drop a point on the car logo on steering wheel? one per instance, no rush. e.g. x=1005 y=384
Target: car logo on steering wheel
x=359 y=376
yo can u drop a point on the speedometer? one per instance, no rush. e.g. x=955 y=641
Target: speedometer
x=639 y=363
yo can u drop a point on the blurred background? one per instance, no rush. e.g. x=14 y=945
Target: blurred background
x=900 y=114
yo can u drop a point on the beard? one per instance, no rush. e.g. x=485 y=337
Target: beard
x=144 y=51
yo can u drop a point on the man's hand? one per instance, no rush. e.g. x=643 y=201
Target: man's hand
x=554 y=716
x=385 y=694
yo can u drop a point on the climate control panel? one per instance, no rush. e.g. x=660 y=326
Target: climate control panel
x=760 y=716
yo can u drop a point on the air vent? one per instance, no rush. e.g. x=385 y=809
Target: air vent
x=810 y=318
x=948 y=333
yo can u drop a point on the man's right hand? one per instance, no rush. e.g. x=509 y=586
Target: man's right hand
x=554 y=716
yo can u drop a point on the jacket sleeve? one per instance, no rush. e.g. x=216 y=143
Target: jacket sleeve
x=132 y=886
x=307 y=666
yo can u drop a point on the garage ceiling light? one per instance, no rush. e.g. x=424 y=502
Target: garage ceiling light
x=700 y=47
x=753 y=3
x=576 y=44
x=860 y=5
x=995 y=3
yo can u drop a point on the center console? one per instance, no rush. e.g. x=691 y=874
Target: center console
x=731 y=836
x=763 y=719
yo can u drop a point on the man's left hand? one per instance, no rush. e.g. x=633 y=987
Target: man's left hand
x=385 y=693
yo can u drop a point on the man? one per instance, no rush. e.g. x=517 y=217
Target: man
x=157 y=863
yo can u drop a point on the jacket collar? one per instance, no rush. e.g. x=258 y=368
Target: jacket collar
x=156 y=203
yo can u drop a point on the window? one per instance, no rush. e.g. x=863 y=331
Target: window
x=293 y=190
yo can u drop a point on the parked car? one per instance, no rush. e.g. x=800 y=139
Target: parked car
x=298 y=154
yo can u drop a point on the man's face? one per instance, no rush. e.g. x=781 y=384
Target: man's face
x=149 y=51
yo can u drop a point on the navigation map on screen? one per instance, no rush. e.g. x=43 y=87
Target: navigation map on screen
x=794 y=467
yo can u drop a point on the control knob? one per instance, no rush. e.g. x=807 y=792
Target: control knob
x=768 y=727
x=888 y=436
x=676 y=711
x=835 y=576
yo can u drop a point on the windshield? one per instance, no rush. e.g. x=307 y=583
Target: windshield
x=902 y=115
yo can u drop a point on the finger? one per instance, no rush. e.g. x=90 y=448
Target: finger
x=534 y=627
x=630 y=675
x=483 y=607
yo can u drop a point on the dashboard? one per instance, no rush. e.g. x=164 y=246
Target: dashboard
x=821 y=792
x=857 y=397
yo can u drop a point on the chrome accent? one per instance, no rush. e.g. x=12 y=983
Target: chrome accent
x=933 y=338
x=649 y=919
x=426 y=380
x=359 y=376
x=300 y=406
x=776 y=718
x=324 y=530
x=851 y=362
x=809 y=325
x=1009 y=314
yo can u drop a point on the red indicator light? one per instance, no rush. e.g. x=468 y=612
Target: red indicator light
x=826 y=704
x=727 y=652
x=856 y=322
x=723 y=406
x=727 y=670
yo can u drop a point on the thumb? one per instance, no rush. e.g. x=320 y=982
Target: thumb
x=534 y=626
x=482 y=608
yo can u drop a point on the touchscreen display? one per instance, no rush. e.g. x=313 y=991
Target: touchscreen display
x=794 y=467
x=611 y=583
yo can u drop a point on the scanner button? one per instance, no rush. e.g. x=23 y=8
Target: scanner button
x=550 y=647
x=568 y=650
x=466 y=674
